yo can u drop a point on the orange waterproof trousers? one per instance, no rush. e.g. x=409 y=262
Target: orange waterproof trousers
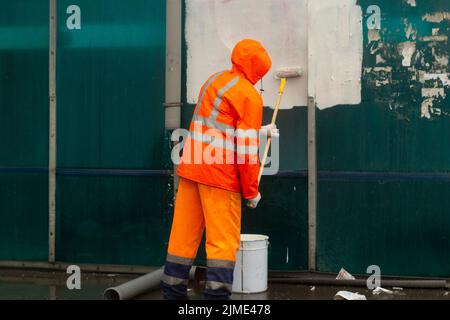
x=199 y=206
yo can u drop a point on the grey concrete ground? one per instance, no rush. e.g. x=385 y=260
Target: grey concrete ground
x=26 y=285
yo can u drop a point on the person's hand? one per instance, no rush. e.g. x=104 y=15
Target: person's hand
x=253 y=203
x=271 y=131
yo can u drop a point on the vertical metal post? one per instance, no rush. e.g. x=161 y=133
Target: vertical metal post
x=173 y=68
x=312 y=183
x=52 y=132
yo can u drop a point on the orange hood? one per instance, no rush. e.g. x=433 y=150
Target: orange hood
x=251 y=59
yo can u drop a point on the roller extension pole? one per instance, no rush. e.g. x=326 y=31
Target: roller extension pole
x=281 y=74
x=274 y=119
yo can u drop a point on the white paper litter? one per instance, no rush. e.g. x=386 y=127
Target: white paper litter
x=344 y=275
x=347 y=295
x=380 y=290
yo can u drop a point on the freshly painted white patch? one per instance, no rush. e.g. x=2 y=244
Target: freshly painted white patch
x=335 y=39
x=213 y=27
x=407 y=50
x=335 y=52
x=436 y=17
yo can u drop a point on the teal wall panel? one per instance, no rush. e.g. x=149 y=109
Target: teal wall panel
x=110 y=84
x=401 y=226
x=283 y=216
x=383 y=165
x=24 y=216
x=113 y=220
x=24 y=83
x=23 y=130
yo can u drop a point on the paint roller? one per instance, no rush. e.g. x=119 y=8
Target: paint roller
x=281 y=74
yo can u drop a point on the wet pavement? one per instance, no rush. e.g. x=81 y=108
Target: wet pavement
x=26 y=285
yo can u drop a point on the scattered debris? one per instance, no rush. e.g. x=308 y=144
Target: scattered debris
x=347 y=295
x=344 y=275
x=380 y=290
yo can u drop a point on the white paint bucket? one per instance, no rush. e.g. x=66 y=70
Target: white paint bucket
x=250 y=273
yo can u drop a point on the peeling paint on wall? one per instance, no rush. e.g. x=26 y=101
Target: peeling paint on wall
x=412 y=3
x=407 y=50
x=436 y=17
x=406 y=65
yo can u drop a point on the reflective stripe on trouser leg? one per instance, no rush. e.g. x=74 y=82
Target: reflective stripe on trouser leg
x=175 y=278
x=219 y=280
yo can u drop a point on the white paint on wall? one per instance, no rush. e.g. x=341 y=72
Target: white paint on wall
x=213 y=27
x=335 y=52
x=334 y=36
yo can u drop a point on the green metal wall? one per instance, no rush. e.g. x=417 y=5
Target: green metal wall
x=383 y=169
x=23 y=129
x=110 y=85
x=113 y=186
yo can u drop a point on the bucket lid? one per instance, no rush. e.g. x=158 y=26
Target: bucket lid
x=253 y=237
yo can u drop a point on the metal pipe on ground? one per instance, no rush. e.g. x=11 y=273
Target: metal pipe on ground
x=139 y=286
x=324 y=281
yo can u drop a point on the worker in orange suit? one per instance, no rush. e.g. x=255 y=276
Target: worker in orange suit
x=218 y=168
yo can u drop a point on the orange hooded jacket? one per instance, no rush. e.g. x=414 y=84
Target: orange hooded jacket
x=222 y=149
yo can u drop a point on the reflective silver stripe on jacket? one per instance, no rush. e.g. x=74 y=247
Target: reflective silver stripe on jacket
x=220 y=95
x=214 y=141
x=212 y=123
x=211 y=80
